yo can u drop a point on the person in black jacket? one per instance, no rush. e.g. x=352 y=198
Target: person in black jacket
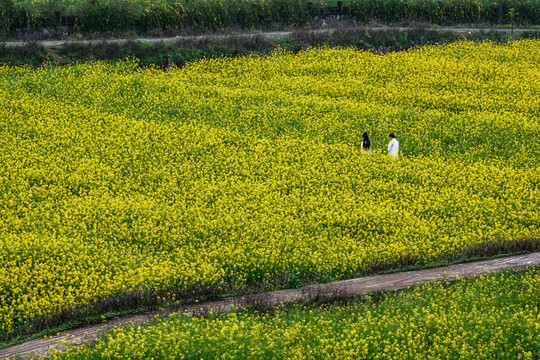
x=366 y=144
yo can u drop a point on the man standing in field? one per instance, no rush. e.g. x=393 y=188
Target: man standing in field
x=393 y=146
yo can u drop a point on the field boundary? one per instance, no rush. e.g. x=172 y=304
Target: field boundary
x=342 y=289
x=270 y=34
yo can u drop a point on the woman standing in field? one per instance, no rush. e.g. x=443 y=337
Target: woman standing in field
x=393 y=146
x=366 y=144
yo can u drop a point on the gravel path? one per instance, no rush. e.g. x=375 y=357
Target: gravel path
x=272 y=34
x=351 y=287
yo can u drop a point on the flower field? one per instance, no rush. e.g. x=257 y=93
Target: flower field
x=491 y=317
x=240 y=173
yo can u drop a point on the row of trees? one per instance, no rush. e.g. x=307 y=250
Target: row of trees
x=110 y=15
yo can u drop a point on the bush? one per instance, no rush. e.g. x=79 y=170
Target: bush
x=445 y=12
x=115 y=15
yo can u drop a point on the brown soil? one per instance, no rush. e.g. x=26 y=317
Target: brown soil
x=345 y=288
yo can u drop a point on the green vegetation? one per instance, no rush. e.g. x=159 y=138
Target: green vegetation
x=447 y=11
x=180 y=52
x=490 y=317
x=113 y=15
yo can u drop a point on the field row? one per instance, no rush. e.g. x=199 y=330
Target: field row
x=239 y=173
x=143 y=15
x=491 y=317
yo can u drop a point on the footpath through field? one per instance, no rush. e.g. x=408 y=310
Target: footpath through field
x=271 y=34
x=345 y=288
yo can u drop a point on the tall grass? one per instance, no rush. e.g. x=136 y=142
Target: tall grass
x=106 y=15
x=446 y=11
x=109 y=15
x=185 y=50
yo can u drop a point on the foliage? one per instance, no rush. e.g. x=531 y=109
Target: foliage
x=491 y=317
x=189 y=49
x=445 y=12
x=143 y=15
x=107 y=15
x=230 y=174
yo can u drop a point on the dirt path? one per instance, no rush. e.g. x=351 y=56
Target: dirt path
x=351 y=287
x=271 y=34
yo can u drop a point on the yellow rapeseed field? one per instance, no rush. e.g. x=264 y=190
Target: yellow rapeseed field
x=490 y=317
x=238 y=172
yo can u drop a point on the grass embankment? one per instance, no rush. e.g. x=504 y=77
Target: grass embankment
x=180 y=52
x=121 y=184
x=490 y=317
x=18 y=16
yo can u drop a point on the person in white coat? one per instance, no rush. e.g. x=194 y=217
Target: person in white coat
x=393 y=146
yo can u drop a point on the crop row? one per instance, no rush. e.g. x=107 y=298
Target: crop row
x=230 y=174
x=491 y=317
